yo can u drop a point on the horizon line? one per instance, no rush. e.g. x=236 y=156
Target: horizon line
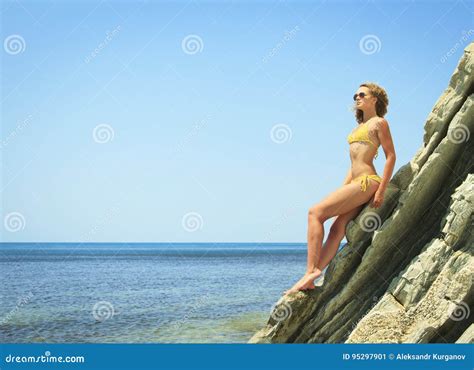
x=174 y=242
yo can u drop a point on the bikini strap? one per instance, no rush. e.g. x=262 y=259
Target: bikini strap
x=364 y=182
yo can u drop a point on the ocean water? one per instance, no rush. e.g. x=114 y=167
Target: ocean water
x=142 y=293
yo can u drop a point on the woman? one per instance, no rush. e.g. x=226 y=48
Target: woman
x=361 y=183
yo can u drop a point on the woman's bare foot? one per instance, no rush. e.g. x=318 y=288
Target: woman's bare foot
x=302 y=284
x=306 y=282
x=296 y=284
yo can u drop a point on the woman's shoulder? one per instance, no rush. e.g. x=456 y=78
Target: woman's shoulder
x=381 y=122
x=373 y=123
x=377 y=124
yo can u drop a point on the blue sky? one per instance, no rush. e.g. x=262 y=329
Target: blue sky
x=193 y=121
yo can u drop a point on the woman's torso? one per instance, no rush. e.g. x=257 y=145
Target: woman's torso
x=362 y=152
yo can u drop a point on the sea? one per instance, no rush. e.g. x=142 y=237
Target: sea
x=142 y=292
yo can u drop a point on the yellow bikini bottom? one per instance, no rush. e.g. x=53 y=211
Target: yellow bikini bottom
x=364 y=180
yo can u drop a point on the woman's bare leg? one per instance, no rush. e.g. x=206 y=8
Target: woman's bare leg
x=333 y=241
x=336 y=234
x=343 y=200
x=315 y=236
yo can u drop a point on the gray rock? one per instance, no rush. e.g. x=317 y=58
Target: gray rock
x=467 y=336
x=406 y=273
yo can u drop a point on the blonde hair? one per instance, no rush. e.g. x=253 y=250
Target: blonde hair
x=380 y=105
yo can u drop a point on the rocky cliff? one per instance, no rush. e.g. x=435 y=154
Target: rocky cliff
x=406 y=272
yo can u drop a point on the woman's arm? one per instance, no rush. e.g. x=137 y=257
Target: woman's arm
x=348 y=178
x=386 y=141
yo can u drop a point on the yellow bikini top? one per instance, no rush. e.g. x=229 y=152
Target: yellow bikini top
x=362 y=134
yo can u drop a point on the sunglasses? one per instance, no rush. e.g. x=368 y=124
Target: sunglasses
x=361 y=95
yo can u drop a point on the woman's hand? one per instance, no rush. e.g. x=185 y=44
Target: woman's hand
x=378 y=199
